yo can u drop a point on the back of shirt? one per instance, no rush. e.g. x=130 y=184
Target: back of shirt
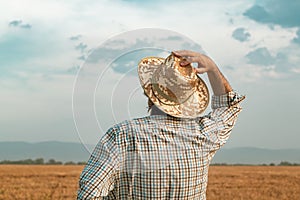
x=162 y=158
x=159 y=156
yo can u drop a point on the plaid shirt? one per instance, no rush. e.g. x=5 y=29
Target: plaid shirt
x=159 y=156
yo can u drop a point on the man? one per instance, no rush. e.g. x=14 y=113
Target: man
x=165 y=155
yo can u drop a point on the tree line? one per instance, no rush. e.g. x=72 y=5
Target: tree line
x=39 y=161
x=282 y=163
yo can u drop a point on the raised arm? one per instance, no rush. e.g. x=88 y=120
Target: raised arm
x=225 y=102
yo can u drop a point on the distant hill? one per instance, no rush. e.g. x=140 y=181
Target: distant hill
x=251 y=155
x=61 y=151
x=67 y=151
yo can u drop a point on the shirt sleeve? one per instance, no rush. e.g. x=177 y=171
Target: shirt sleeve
x=218 y=124
x=97 y=178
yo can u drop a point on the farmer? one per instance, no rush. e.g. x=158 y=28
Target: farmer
x=165 y=155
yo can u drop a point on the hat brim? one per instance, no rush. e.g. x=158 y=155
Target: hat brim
x=193 y=107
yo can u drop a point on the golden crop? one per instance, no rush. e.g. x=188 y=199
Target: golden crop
x=225 y=182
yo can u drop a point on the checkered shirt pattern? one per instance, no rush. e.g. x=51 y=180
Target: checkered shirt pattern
x=159 y=156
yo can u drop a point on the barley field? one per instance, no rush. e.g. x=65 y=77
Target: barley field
x=57 y=182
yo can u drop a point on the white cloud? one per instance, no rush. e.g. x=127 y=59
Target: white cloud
x=296 y=70
x=296 y=39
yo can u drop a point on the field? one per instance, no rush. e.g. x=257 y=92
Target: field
x=254 y=182
x=225 y=182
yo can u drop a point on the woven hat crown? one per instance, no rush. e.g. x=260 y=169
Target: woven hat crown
x=172 y=83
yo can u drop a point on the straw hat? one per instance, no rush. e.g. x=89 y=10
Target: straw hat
x=176 y=90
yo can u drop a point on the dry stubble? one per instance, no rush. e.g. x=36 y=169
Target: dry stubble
x=225 y=182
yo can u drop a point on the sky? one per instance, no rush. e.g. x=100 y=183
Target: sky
x=68 y=68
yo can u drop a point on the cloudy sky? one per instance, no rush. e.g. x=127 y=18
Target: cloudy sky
x=68 y=68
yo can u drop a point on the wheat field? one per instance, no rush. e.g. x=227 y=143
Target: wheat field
x=57 y=182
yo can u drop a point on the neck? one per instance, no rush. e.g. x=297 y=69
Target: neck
x=156 y=111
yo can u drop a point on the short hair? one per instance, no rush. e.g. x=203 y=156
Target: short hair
x=150 y=103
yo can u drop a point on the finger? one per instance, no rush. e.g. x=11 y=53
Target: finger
x=185 y=53
x=176 y=54
x=192 y=59
x=184 y=63
x=200 y=70
x=189 y=60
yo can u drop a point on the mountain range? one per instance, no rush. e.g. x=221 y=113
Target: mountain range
x=76 y=152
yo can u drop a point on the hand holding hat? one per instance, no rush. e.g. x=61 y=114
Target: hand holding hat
x=205 y=64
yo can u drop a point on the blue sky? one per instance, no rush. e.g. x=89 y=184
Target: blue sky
x=44 y=43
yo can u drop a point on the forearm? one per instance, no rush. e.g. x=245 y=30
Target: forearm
x=218 y=82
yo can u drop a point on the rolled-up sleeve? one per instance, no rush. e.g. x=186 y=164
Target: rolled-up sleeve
x=97 y=178
x=226 y=100
x=220 y=122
